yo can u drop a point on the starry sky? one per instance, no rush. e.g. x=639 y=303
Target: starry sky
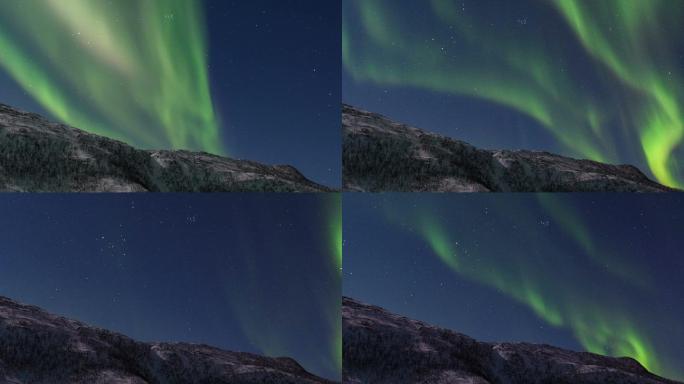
x=243 y=272
x=601 y=80
x=258 y=79
x=595 y=272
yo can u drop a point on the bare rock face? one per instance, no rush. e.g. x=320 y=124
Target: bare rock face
x=380 y=155
x=37 y=155
x=381 y=348
x=39 y=348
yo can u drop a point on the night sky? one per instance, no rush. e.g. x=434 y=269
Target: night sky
x=243 y=272
x=602 y=80
x=597 y=272
x=258 y=79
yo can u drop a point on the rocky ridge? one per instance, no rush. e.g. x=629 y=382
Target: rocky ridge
x=382 y=155
x=381 y=348
x=37 y=155
x=40 y=348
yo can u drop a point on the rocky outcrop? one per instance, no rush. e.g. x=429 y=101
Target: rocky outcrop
x=37 y=155
x=39 y=348
x=381 y=348
x=381 y=155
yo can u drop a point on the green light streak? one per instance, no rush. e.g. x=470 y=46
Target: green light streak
x=450 y=50
x=267 y=283
x=334 y=217
x=614 y=337
x=608 y=333
x=572 y=224
x=131 y=70
x=523 y=290
x=526 y=86
x=547 y=283
x=633 y=56
x=335 y=214
x=439 y=241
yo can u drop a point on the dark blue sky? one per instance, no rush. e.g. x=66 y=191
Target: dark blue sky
x=275 y=68
x=517 y=75
x=273 y=71
x=523 y=267
x=244 y=272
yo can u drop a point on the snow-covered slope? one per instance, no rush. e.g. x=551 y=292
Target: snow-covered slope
x=40 y=348
x=381 y=155
x=37 y=155
x=382 y=348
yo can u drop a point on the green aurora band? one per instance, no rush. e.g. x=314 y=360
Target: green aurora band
x=336 y=243
x=634 y=59
x=565 y=215
x=519 y=71
x=260 y=321
x=130 y=70
x=552 y=296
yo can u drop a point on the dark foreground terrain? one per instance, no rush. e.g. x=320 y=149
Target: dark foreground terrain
x=383 y=348
x=39 y=348
x=37 y=155
x=381 y=155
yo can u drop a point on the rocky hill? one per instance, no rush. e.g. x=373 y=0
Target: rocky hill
x=382 y=155
x=39 y=348
x=37 y=155
x=383 y=348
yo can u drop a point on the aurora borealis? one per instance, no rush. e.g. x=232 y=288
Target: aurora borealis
x=134 y=71
x=588 y=272
x=183 y=74
x=242 y=272
x=334 y=221
x=600 y=80
x=263 y=80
